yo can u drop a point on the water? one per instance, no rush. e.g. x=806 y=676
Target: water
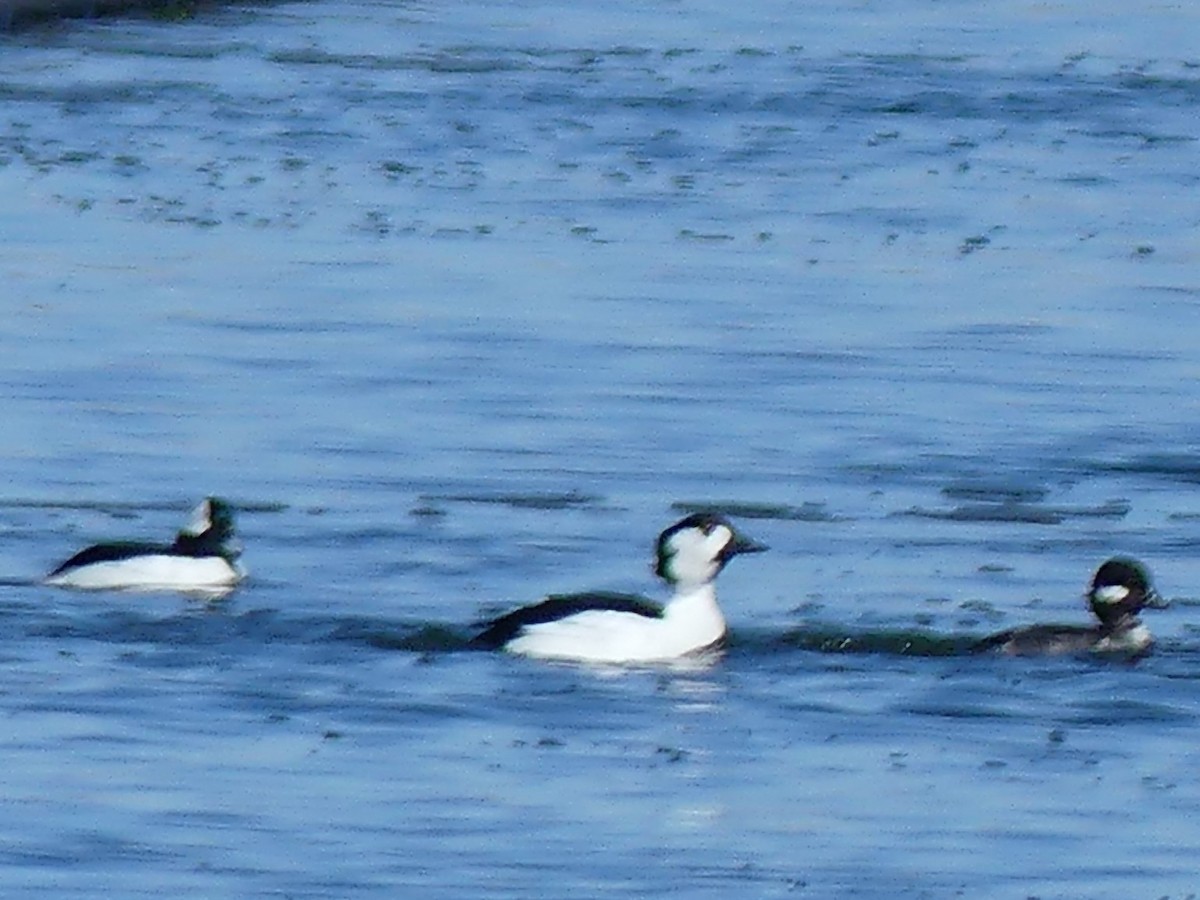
x=461 y=304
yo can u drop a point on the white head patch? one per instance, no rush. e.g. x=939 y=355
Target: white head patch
x=1111 y=593
x=200 y=520
x=694 y=553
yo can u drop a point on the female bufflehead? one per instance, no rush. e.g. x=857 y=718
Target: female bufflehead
x=203 y=559
x=1120 y=590
x=613 y=628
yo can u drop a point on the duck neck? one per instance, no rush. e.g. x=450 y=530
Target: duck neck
x=1123 y=622
x=696 y=604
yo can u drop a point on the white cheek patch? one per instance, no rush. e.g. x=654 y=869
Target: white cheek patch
x=717 y=539
x=1111 y=593
x=200 y=521
x=694 y=553
x=694 y=543
x=687 y=541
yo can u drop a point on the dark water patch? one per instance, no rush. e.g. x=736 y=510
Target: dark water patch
x=973 y=243
x=834 y=357
x=981 y=609
x=474 y=61
x=980 y=332
x=19 y=582
x=963 y=89
x=947 y=103
x=958 y=709
x=310 y=325
x=407 y=637
x=548 y=501
x=468 y=60
x=18 y=14
x=997 y=512
x=994 y=492
x=834 y=639
x=213 y=625
x=383 y=533
x=120 y=509
x=1183 y=467
x=1184 y=90
x=1121 y=711
x=1011 y=511
x=688 y=234
x=1171 y=290
x=1110 y=509
x=995 y=569
x=207 y=626
x=79 y=98
x=181 y=51
x=1187 y=544
x=743 y=509
x=312 y=56
x=1178 y=659
x=87 y=849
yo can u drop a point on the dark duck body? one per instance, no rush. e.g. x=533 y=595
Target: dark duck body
x=1120 y=590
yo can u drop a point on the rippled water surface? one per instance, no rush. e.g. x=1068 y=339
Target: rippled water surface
x=460 y=304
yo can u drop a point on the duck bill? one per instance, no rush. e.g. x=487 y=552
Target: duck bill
x=1155 y=600
x=742 y=544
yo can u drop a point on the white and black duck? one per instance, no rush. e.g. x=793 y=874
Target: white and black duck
x=202 y=558
x=615 y=628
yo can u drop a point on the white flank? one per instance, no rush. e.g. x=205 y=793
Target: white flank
x=691 y=622
x=153 y=572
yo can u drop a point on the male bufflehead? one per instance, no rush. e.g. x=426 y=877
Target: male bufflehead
x=202 y=559
x=613 y=628
x=1120 y=590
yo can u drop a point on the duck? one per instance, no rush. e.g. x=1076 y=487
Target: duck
x=611 y=628
x=202 y=559
x=1120 y=589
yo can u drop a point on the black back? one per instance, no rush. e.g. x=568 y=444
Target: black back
x=210 y=542
x=507 y=627
x=112 y=552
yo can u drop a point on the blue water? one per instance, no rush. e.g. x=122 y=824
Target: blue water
x=460 y=304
